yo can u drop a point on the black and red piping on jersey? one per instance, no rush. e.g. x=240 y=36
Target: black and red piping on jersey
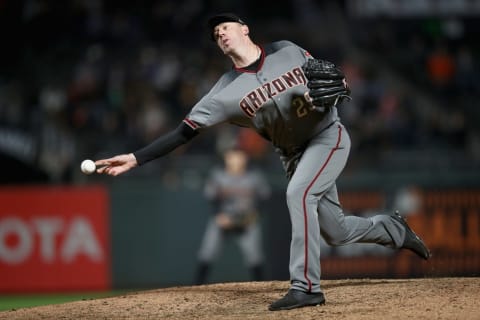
x=190 y=123
x=304 y=203
x=257 y=66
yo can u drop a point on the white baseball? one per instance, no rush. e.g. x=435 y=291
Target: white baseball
x=88 y=166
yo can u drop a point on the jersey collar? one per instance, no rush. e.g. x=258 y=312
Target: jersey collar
x=255 y=66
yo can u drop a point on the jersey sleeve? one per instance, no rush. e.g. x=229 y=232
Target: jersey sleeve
x=209 y=112
x=206 y=113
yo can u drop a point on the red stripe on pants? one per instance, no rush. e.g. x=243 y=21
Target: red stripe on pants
x=305 y=205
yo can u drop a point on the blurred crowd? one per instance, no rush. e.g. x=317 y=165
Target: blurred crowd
x=430 y=106
x=92 y=78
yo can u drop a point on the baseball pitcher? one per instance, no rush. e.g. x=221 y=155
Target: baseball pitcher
x=280 y=91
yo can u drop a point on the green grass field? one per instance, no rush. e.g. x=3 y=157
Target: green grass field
x=16 y=301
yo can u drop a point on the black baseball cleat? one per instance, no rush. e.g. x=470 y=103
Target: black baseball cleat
x=297 y=299
x=412 y=241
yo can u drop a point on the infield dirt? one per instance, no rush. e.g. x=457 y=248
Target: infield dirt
x=432 y=298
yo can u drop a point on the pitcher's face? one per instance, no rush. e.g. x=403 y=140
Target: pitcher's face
x=230 y=35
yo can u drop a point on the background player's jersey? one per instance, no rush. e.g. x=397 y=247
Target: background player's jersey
x=236 y=195
x=270 y=100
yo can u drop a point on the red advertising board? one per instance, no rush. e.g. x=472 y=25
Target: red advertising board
x=54 y=239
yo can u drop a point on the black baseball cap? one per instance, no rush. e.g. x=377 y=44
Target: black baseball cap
x=221 y=18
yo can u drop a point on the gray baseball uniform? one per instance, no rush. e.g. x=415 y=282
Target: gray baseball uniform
x=313 y=146
x=236 y=196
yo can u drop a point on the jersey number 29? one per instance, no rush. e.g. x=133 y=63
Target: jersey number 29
x=302 y=106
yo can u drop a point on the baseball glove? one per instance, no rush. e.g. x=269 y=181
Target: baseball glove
x=326 y=83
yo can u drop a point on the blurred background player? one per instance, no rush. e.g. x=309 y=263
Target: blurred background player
x=234 y=191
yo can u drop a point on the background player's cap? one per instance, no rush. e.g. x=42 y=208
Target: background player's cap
x=221 y=18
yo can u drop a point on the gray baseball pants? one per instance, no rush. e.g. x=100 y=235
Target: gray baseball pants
x=315 y=210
